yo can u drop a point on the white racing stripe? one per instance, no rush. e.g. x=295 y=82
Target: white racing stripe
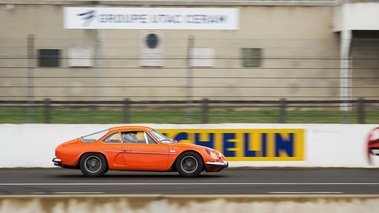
x=172 y=184
x=78 y=193
x=305 y=192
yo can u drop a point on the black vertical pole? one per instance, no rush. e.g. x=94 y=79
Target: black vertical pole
x=126 y=110
x=30 y=78
x=283 y=112
x=205 y=110
x=47 y=111
x=361 y=110
x=191 y=44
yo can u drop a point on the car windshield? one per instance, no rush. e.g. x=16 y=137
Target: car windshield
x=94 y=136
x=161 y=137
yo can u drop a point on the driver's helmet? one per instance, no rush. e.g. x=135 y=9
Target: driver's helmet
x=130 y=137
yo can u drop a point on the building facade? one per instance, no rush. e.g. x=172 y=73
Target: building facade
x=275 y=49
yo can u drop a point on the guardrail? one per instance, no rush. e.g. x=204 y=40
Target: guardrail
x=198 y=111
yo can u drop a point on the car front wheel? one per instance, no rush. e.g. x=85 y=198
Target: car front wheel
x=93 y=165
x=189 y=164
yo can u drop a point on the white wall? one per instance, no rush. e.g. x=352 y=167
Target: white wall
x=325 y=145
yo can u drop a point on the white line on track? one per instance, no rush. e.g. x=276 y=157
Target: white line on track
x=78 y=193
x=305 y=192
x=170 y=184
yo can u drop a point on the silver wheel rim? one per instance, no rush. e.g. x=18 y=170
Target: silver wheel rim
x=189 y=164
x=93 y=164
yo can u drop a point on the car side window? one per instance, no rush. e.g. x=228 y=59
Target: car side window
x=114 y=138
x=149 y=139
x=137 y=137
x=129 y=137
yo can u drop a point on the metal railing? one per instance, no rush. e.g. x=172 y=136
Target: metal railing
x=203 y=111
x=295 y=81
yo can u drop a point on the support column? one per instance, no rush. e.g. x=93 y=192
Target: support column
x=99 y=62
x=30 y=78
x=345 y=70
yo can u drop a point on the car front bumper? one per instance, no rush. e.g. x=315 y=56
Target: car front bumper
x=57 y=161
x=221 y=165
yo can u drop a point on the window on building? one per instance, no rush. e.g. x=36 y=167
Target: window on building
x=151 y=50
x=251 y=57
x=48 y=57
x=80 y=57
x=202 y=57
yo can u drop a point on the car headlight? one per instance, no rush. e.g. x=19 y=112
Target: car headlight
x=220 y=155
x=212 y=153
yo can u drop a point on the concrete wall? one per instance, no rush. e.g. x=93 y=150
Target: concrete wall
x=325 y=145
x=196 y=203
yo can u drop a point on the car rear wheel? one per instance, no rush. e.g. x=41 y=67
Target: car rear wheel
x=189 y=164
x=93 y=165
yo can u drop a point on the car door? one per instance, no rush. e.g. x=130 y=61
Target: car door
x=144 y=155
x=112 y=147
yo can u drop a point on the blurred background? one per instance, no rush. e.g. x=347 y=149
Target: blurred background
x=298 y=61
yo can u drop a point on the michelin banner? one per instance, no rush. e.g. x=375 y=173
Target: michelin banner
x=151 y=18
x=246 y=144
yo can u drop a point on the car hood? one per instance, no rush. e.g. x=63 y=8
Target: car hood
x=188 y=145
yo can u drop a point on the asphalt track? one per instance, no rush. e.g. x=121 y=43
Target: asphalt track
x=232 y=181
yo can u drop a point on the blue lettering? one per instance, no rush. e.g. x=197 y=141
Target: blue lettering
x=201 y=19
x=283 y=144
x=248 y=151
x=163 y=18
x=123 y=18
x=228 y=144
x=264 y=144
x=181 y=136
x=209 y=143
x=143 y=18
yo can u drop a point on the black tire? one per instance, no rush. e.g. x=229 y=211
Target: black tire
x=189 y=164
x=93 y=165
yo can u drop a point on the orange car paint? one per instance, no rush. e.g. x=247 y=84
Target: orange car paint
x=135 y=157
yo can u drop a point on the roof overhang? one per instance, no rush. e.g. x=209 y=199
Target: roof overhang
x=356 y=16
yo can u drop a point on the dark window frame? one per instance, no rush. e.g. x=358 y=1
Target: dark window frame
x=49 y=57
x=251 y=57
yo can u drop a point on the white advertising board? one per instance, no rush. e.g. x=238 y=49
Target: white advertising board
x=321 y=145
x=151 y=18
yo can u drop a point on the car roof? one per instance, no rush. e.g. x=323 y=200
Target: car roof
x=130 y=128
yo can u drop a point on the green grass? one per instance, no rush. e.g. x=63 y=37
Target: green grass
x=81 y=116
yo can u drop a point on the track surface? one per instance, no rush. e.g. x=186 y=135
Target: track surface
x=229 y=181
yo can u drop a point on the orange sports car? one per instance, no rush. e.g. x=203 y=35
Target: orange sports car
x=136 y=148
